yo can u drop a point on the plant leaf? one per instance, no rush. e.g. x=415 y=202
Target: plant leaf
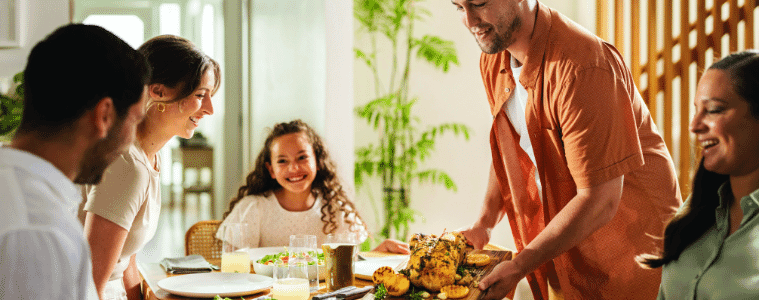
x=435 y=176
x=362 y=56
x=440 y=53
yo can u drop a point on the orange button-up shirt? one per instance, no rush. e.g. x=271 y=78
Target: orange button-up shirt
x=587 y=124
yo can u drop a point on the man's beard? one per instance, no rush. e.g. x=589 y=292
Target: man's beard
x=501 y=42
x=98 y=157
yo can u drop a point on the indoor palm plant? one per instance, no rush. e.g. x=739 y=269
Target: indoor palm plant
x=402 y=145
x=11 y=106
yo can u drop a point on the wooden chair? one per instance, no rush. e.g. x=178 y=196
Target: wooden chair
x=201 y=239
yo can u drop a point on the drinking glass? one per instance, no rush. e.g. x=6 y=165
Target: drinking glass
x=234 y=255
x=290 y=281
x=340 y=252
x=303 y=253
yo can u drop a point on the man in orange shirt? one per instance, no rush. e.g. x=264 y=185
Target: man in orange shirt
x=579 y=167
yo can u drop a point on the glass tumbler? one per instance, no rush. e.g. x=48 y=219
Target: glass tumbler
x=290 y=281
x=303 y=252
x=234 y=255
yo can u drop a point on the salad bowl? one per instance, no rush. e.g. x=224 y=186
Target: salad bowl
x=265 y=259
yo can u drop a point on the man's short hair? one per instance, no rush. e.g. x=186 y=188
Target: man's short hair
x=72 y=69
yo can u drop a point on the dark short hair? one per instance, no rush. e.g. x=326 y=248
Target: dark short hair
x=177 y=63
x=74 y=68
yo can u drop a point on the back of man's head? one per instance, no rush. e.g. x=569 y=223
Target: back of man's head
x=71 y=70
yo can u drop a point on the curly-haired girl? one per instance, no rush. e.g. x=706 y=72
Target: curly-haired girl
x=294 y=189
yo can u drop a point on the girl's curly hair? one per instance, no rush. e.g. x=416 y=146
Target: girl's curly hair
x=326 y=184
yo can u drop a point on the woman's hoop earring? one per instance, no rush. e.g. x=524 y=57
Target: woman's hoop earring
x=161 y=107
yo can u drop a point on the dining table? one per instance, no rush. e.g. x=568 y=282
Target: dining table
x=152 y=272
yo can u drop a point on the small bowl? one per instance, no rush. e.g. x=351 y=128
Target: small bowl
x=266 y=270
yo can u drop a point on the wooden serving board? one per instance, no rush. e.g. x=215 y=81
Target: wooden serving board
x=496 y=256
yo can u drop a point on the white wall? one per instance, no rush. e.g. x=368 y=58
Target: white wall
x=301 y=65
x=38 y=19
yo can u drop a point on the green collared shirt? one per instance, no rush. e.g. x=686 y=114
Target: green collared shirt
x=718 y=266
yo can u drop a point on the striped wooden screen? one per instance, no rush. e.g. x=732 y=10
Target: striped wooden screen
x=667 y=45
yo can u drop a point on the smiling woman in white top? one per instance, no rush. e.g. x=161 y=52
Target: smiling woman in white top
x=122 y=211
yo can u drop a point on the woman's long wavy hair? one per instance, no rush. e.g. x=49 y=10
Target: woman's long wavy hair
x=697 y=217
x=326 y=183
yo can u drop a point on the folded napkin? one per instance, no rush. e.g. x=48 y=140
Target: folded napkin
x=187 y=264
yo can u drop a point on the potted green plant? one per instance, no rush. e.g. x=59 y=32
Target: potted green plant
x=11 y=107
x=402 y=145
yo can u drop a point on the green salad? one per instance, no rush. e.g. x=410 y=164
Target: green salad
x=225 y=298
x=284 y=256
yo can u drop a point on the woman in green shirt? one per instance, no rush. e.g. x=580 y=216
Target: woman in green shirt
x=711 y=246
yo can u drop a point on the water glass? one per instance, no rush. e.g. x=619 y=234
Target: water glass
x=290 y=282
x=303 y=253
x=234 y=255
x=340 y=252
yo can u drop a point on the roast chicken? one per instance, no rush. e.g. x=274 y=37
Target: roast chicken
x=434 y=260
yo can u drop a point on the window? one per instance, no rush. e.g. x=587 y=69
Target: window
x=129 y=28
x=170 y=23
x=207 y=30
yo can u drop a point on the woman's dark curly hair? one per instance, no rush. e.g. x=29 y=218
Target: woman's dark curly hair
x=697 y=216
x=326 y=184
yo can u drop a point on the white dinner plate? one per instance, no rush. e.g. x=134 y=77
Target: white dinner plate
x=364 y=269
x=211 y=284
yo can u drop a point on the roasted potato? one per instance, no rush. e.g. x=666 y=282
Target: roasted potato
x=396 y=284
x=477 y=260
x=455 y=291
x=381 y=274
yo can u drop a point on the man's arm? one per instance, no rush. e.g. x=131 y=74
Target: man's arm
x=492 y=213
x=588 y=211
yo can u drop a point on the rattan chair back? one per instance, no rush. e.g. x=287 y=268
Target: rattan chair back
x=201 y=239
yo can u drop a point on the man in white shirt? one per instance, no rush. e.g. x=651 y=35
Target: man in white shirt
x=84 y=96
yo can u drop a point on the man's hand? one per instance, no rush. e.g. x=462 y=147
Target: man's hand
x=477 y=236
x=393 y=246
x=501 y=281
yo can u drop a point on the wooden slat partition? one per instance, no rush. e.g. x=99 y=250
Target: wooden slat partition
x=669 y=71
x=602 y=20
x=619 y=23
x=634 y=57
x=686 y=60
x=748 y=19
x=670 y=45
x=653 y=84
